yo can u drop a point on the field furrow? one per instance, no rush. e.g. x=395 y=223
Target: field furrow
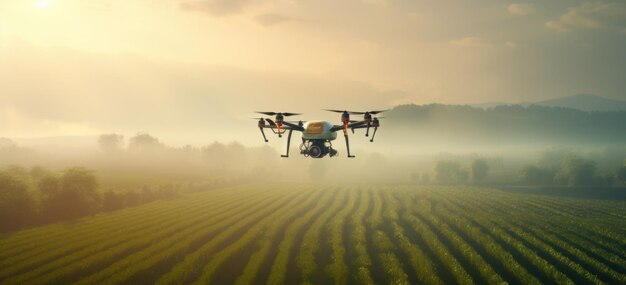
x=298 y=233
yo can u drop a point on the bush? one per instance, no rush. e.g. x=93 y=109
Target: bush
x=72 y=195
x=17 y=206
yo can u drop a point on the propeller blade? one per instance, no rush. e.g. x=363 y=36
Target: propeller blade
x=267 y=113
x=378 y=112
x=336 y=111
x=357 y=113
x=291 y=114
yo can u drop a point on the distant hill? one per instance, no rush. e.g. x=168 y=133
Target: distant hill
x=582 y=102
x=585 y=102
x=504 y=124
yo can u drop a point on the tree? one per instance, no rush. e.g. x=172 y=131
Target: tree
x=479 y=169
x=450 y=172
x=17 y=206
x=537 y=176
x=72 y=195
x=144 y=142
x=576 y=171
x=110 y=143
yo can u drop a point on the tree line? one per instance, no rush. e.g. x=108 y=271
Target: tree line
x=573 y=171
x=452 y=172
x=557 y=167
x=37 y=196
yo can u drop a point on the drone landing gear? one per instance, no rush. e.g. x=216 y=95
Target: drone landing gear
x=345 y=135
x=263 y=133
x=288 y=142
x=374 y=134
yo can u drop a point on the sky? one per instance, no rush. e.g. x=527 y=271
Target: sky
x=192 y=70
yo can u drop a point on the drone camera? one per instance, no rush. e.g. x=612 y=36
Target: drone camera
x=317 y=149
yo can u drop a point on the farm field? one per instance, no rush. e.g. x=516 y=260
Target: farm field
x=330 y=234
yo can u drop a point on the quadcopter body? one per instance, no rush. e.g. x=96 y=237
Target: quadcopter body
x=317 y=136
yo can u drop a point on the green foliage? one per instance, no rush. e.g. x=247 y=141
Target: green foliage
x=17 y=207
x=534 y=175
x=576 y=171
x=307 y=234
x=73 y=194
x=143 y=142
x=450 y=172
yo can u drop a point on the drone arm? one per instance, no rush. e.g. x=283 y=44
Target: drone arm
x=336 y=128
x=358 y=125
x=291 y=126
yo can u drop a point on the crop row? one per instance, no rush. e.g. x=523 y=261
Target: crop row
x=305 y=234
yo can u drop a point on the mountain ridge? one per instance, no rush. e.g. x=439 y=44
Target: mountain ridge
x=582 y=102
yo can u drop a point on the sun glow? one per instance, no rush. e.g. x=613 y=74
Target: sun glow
x=43 y=4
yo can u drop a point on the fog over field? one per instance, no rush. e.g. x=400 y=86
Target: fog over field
x=131 y=150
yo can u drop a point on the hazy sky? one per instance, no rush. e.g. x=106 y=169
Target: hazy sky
x=182 y=68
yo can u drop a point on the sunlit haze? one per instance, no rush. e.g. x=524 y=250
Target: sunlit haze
x=194 y=70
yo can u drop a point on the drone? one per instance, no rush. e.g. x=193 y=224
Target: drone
x=317 y=136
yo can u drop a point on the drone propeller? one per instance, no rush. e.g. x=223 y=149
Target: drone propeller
x=370 y=112
x=355 y=112
x=286 y=114
x=337 y=111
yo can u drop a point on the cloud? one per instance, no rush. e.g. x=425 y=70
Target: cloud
x=471 y=42
x=216 y=8
x=271 y=19
x=597 y=15
x=521 y=9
